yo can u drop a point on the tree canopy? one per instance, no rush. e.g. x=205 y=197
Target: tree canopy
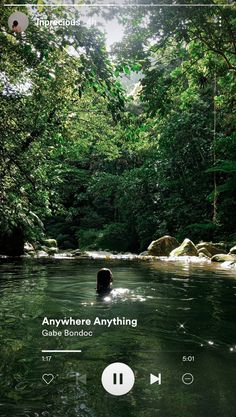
x=95 y=164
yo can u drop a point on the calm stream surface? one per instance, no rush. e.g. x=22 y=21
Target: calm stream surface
x=161 y=296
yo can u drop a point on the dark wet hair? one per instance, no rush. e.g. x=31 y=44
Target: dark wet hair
x=104 y=279
x=15 y=23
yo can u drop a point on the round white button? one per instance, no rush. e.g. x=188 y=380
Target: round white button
x=187 y=379
x=118 y=378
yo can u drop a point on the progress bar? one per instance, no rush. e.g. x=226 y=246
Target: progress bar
x=117 y=5
x=61 y=351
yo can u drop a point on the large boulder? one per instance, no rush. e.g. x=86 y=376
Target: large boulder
x=41 y=254
x=222 y=257
x=211 y=248
x=162 y=246
x=50 y=243
x=187 y=248
x=204 y=251
x=28 y=247
x=50 y=250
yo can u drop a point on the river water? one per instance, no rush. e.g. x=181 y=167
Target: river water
x=186 y=324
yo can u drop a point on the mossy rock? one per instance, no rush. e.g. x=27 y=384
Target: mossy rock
x=211 y=248
x=76 y=252
x=31 y=254
x=28 y=247
x=222 y=257
x=41 y=254
x=233 y=251
x=162 y=246
x=202 y=255
x=51 y=251
x=204 y=251
x=50 y=243
x=187 y=248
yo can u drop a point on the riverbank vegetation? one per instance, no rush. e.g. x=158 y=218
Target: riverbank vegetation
x=111 y=149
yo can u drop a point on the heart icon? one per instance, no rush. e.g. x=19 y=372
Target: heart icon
x=48 y=378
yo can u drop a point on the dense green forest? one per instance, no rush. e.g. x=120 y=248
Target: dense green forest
x=109 y=149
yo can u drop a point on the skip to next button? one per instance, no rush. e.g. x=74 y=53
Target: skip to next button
x=154 y=379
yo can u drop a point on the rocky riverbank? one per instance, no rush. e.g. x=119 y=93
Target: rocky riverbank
x=169 y=247
x=166 y=248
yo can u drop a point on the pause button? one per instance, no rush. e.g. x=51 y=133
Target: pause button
x=118 y=378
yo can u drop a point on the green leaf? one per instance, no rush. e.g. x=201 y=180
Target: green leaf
x=40 y=5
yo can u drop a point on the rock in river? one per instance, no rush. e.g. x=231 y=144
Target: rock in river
x=50 y=243
x=222 y=257
x=28 y=247
x=162 y=246
x=204 y=251
x=233 y=250
x=49 y=250
x=41 y=254
x=186 y=248
x=211 y=248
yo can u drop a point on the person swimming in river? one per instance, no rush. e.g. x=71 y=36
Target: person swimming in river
x=104 y=281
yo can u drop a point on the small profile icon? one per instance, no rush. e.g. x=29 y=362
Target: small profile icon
x=18 y=22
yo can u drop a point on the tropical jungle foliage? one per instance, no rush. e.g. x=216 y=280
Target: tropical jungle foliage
x=85 y=161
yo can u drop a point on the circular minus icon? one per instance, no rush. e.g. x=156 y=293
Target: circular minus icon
x=187 y=379
x=118 y=378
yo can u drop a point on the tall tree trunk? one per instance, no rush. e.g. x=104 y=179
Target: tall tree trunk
x=214 y=152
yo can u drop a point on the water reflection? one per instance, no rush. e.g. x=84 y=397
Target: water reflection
x=181 y=309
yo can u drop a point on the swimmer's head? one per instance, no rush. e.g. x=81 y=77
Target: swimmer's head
x=104 y=280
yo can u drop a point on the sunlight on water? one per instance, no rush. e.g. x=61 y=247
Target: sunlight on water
x=179 y=310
